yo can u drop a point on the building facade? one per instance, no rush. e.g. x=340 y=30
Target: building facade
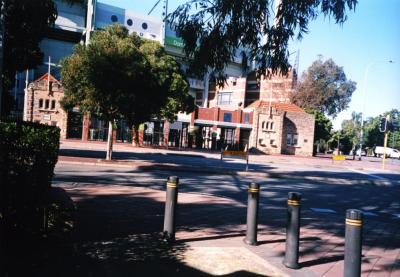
x=245 y=113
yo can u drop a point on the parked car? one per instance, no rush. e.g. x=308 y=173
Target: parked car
x=390 y=152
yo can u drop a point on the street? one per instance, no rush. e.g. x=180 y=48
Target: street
x=126 y=196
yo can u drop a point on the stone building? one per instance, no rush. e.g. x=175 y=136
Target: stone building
x=42 y=103
x=282 y=128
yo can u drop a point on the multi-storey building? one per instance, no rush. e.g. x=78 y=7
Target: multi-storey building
x=245 y=113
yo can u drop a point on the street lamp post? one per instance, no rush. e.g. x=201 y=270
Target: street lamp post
x=366 y=72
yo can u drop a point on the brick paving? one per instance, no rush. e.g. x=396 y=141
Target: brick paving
x=106 y=213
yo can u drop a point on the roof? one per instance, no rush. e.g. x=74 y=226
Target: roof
x=287 y=107
x=48 y=76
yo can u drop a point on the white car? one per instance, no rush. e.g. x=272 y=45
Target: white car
x=390 y=152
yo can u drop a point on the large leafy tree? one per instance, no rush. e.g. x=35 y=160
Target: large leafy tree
x=167 y=87
x=118 y=76
x=213 y=30
x=25 y=23
x=324 y=87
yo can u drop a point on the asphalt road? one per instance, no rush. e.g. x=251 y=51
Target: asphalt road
x=321 y=188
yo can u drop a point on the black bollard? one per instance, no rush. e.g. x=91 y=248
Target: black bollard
x=353 y=237
x=291 y=259
x=252 y=214
x=170 y=208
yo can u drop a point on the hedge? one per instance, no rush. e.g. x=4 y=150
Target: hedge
x=28 y=155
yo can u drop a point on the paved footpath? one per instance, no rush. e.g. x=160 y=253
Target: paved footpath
x=113 y=220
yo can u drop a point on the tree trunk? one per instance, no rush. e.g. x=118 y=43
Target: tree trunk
x=110 y=140
x=135 y=134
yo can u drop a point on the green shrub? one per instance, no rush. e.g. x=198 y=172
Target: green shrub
x=28 y=154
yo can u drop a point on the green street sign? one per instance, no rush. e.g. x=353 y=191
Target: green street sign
x=174 y=41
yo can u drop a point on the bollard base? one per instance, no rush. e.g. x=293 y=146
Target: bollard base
x=252 y=243
x=168 y=237
x=291 y=265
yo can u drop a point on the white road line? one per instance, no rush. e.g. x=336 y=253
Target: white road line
x=320 y=210
x=365 y=173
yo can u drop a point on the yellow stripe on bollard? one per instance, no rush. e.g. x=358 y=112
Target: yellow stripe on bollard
x=171 y=185
x=253 y=190
x=353 y=222
x=293 y=202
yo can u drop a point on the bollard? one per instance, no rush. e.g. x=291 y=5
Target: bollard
x=252 y=214
x=170 y=208
x=353 y=237
x=291 y=259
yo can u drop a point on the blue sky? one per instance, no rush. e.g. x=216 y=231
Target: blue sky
x=368 y=39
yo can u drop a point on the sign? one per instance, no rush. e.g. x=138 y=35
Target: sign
x=46 y=117
x=241 y=154
x=244 y=155
x=174 y=41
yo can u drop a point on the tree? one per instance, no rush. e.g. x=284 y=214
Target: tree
x=25 y=25
x=168 y=87
x=118 y=76
x=324 y=87
x=323 y=128
x=213 y=30
x=352 y=129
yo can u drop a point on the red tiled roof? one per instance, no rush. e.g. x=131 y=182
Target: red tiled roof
x=46 y=78
x=287 y=107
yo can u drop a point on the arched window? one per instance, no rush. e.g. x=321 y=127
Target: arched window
x=263 y=125
x=46 y=105
x=267 y=126
x=40 y=103
x=271 y=126
x=53 y=104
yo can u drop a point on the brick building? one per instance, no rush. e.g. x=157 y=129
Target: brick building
x=42 y=103
x=251 y=113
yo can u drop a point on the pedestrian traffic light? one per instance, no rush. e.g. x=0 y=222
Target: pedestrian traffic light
x=383 y=124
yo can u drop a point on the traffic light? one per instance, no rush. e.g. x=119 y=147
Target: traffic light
x=383 y=124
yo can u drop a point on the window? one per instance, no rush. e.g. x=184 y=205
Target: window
x=114 y=18
x=129 y=22
x=227 y=117
x=272 y=142
x=144 y=25
x=289 y=139
x=295 y=139
x=292 y=139
x=53 y=104
x=224 y=98
x=271 y=126
x=263 y=125
x=246 y=118
x=41 y=103
x=46 y=105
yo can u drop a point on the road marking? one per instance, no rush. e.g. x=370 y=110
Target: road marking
x=365 y=173
x=320 y=210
